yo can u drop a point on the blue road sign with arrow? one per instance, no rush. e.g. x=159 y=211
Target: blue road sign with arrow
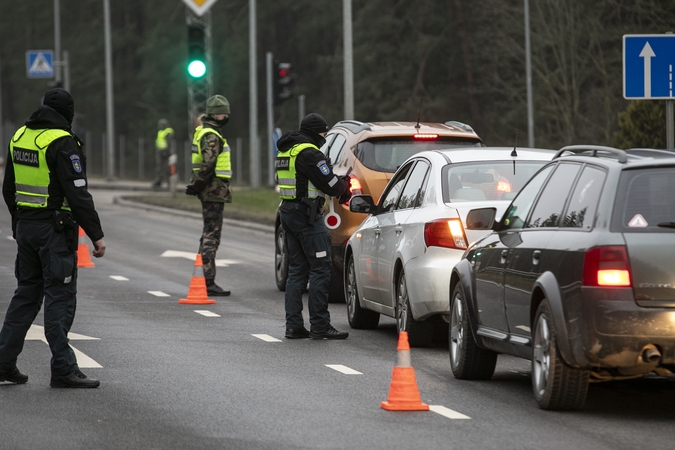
x=648 y=64
x=40 y=63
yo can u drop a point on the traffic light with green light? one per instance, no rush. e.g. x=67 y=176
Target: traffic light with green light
x=283 y=82
x=196 y=65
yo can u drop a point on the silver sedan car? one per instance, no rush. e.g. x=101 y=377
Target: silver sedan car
x=399 y=261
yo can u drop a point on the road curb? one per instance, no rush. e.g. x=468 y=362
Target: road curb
x=118 y=200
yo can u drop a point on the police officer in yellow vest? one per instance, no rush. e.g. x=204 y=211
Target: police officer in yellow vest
x=45 y=188
x=304 y=179
x=210 y=181
x=162 y=151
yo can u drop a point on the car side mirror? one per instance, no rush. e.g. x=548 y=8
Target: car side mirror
x=362 y=204
x=481 y=219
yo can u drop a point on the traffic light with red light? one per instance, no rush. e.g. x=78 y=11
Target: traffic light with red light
x=196 y=65
x=283 y=82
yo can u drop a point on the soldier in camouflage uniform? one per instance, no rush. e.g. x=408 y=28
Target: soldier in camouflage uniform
x=210 y=181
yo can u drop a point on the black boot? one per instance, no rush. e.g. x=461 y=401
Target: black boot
x=213 y=289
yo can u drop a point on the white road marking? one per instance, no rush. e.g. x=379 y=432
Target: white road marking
x=523 y=327
x=266 y=337
x=10 y=238
x=206 y=313
x=192 y=256
x=343 y=369
x=119 y=278
x=37 y=333
x=447 y=412
x=159 y=294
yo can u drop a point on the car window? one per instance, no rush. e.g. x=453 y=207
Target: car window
x=387 y=154
x=552 y=200
x=584 y=201
x=329 y=140
x=413 y=190
x=393 y=189
x=336 y=148
x=517 y=211
x=644 y=200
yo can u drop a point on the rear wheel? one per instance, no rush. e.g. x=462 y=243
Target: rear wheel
x=420 y=334
x=467 y=360
x=358 y=317
x=281 y=259
x=555 y=385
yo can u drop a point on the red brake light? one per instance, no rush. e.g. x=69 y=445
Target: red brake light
x=607 y=266
x=426 y=136
x=503 y=185
x=445 y=233
x=355 y=185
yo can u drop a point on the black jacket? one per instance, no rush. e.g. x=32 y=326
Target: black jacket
x=64 y=180
x=311 y=165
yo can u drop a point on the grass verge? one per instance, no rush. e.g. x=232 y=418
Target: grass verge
x=252 y=205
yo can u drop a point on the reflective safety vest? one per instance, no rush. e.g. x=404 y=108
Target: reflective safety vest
x=223 y=166
x=161 y=142
x=286 y=174
x=28 y=149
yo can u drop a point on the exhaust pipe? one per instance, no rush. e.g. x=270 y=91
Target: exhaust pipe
x=651 y=354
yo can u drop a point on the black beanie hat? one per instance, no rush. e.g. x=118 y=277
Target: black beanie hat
x=314 y=122
x=61 y=101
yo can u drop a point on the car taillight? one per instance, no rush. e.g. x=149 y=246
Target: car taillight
x=445 y=233
x=607 y=266
x=426 y=136
x=503 y=185
x=355 y=185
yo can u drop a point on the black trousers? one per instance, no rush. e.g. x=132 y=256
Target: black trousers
x=45 y=268
x=310 y=259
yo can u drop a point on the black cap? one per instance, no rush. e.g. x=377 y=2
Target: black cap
x=314 y=122
x=61 y=101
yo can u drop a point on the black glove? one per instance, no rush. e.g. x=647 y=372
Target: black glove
x=190 y=190
x=344 y=198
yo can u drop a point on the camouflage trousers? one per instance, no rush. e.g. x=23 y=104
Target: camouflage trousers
x=212 y=212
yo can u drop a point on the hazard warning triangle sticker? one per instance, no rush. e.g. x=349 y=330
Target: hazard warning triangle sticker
x=638 y=221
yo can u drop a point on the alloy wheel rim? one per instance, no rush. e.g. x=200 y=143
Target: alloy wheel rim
x=279 y=256
x=456 y=331
x=351 y=290
x=402 y=305
x=541 y=361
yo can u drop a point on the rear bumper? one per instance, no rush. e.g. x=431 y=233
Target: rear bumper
x=612 y=331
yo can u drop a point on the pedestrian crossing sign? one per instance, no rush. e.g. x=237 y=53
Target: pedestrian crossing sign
x=40 y=63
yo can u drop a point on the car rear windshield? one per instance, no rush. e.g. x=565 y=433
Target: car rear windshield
x=489 y=180
x=387 y=154
x=645 y=201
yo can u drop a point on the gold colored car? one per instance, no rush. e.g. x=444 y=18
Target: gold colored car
x=370 y=152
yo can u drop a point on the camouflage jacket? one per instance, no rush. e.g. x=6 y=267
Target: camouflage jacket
x=210 y=187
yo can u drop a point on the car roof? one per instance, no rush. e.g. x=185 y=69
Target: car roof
x=379 y=129
x=609 y=156
x=460 y=154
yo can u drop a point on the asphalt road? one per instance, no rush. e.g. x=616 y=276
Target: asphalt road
x=225 y=378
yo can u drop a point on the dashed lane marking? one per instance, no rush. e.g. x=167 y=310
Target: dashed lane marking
x=447 y=412
x=119 y=278
x=191 y=256
x=206 y=313
x=343 y=369
x=37 y=333
x=266 y=337
x=159 y=294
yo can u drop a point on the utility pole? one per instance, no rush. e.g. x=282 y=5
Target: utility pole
x=528 y=77
x=110 y=124
x=254 y=162
x=57 y=42
x=270 y=118
x=348 y=59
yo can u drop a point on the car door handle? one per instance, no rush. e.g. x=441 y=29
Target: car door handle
x=377 y=231
x=504 y=254
x=535 y=256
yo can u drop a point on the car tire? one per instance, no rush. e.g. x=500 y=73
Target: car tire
x=420 y=334
x=358 y=317
x=336 y=291
x=556 y=386
x=281 y=259
x=467 y=360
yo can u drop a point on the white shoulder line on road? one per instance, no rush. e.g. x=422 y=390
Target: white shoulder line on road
x=447 y=412
x=119 y=278
x=266 y=337
x=206 y=313
x=159 y=294
x=343 y=369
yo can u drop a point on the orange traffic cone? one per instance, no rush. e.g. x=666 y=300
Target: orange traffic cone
x=403 y=392
x=83 y=258
x=197 y=292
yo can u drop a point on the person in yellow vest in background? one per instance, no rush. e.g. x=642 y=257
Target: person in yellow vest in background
x=45 y=188
x=210 y=181
x=164 y=136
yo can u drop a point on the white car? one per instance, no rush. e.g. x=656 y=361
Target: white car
x=399 y=261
